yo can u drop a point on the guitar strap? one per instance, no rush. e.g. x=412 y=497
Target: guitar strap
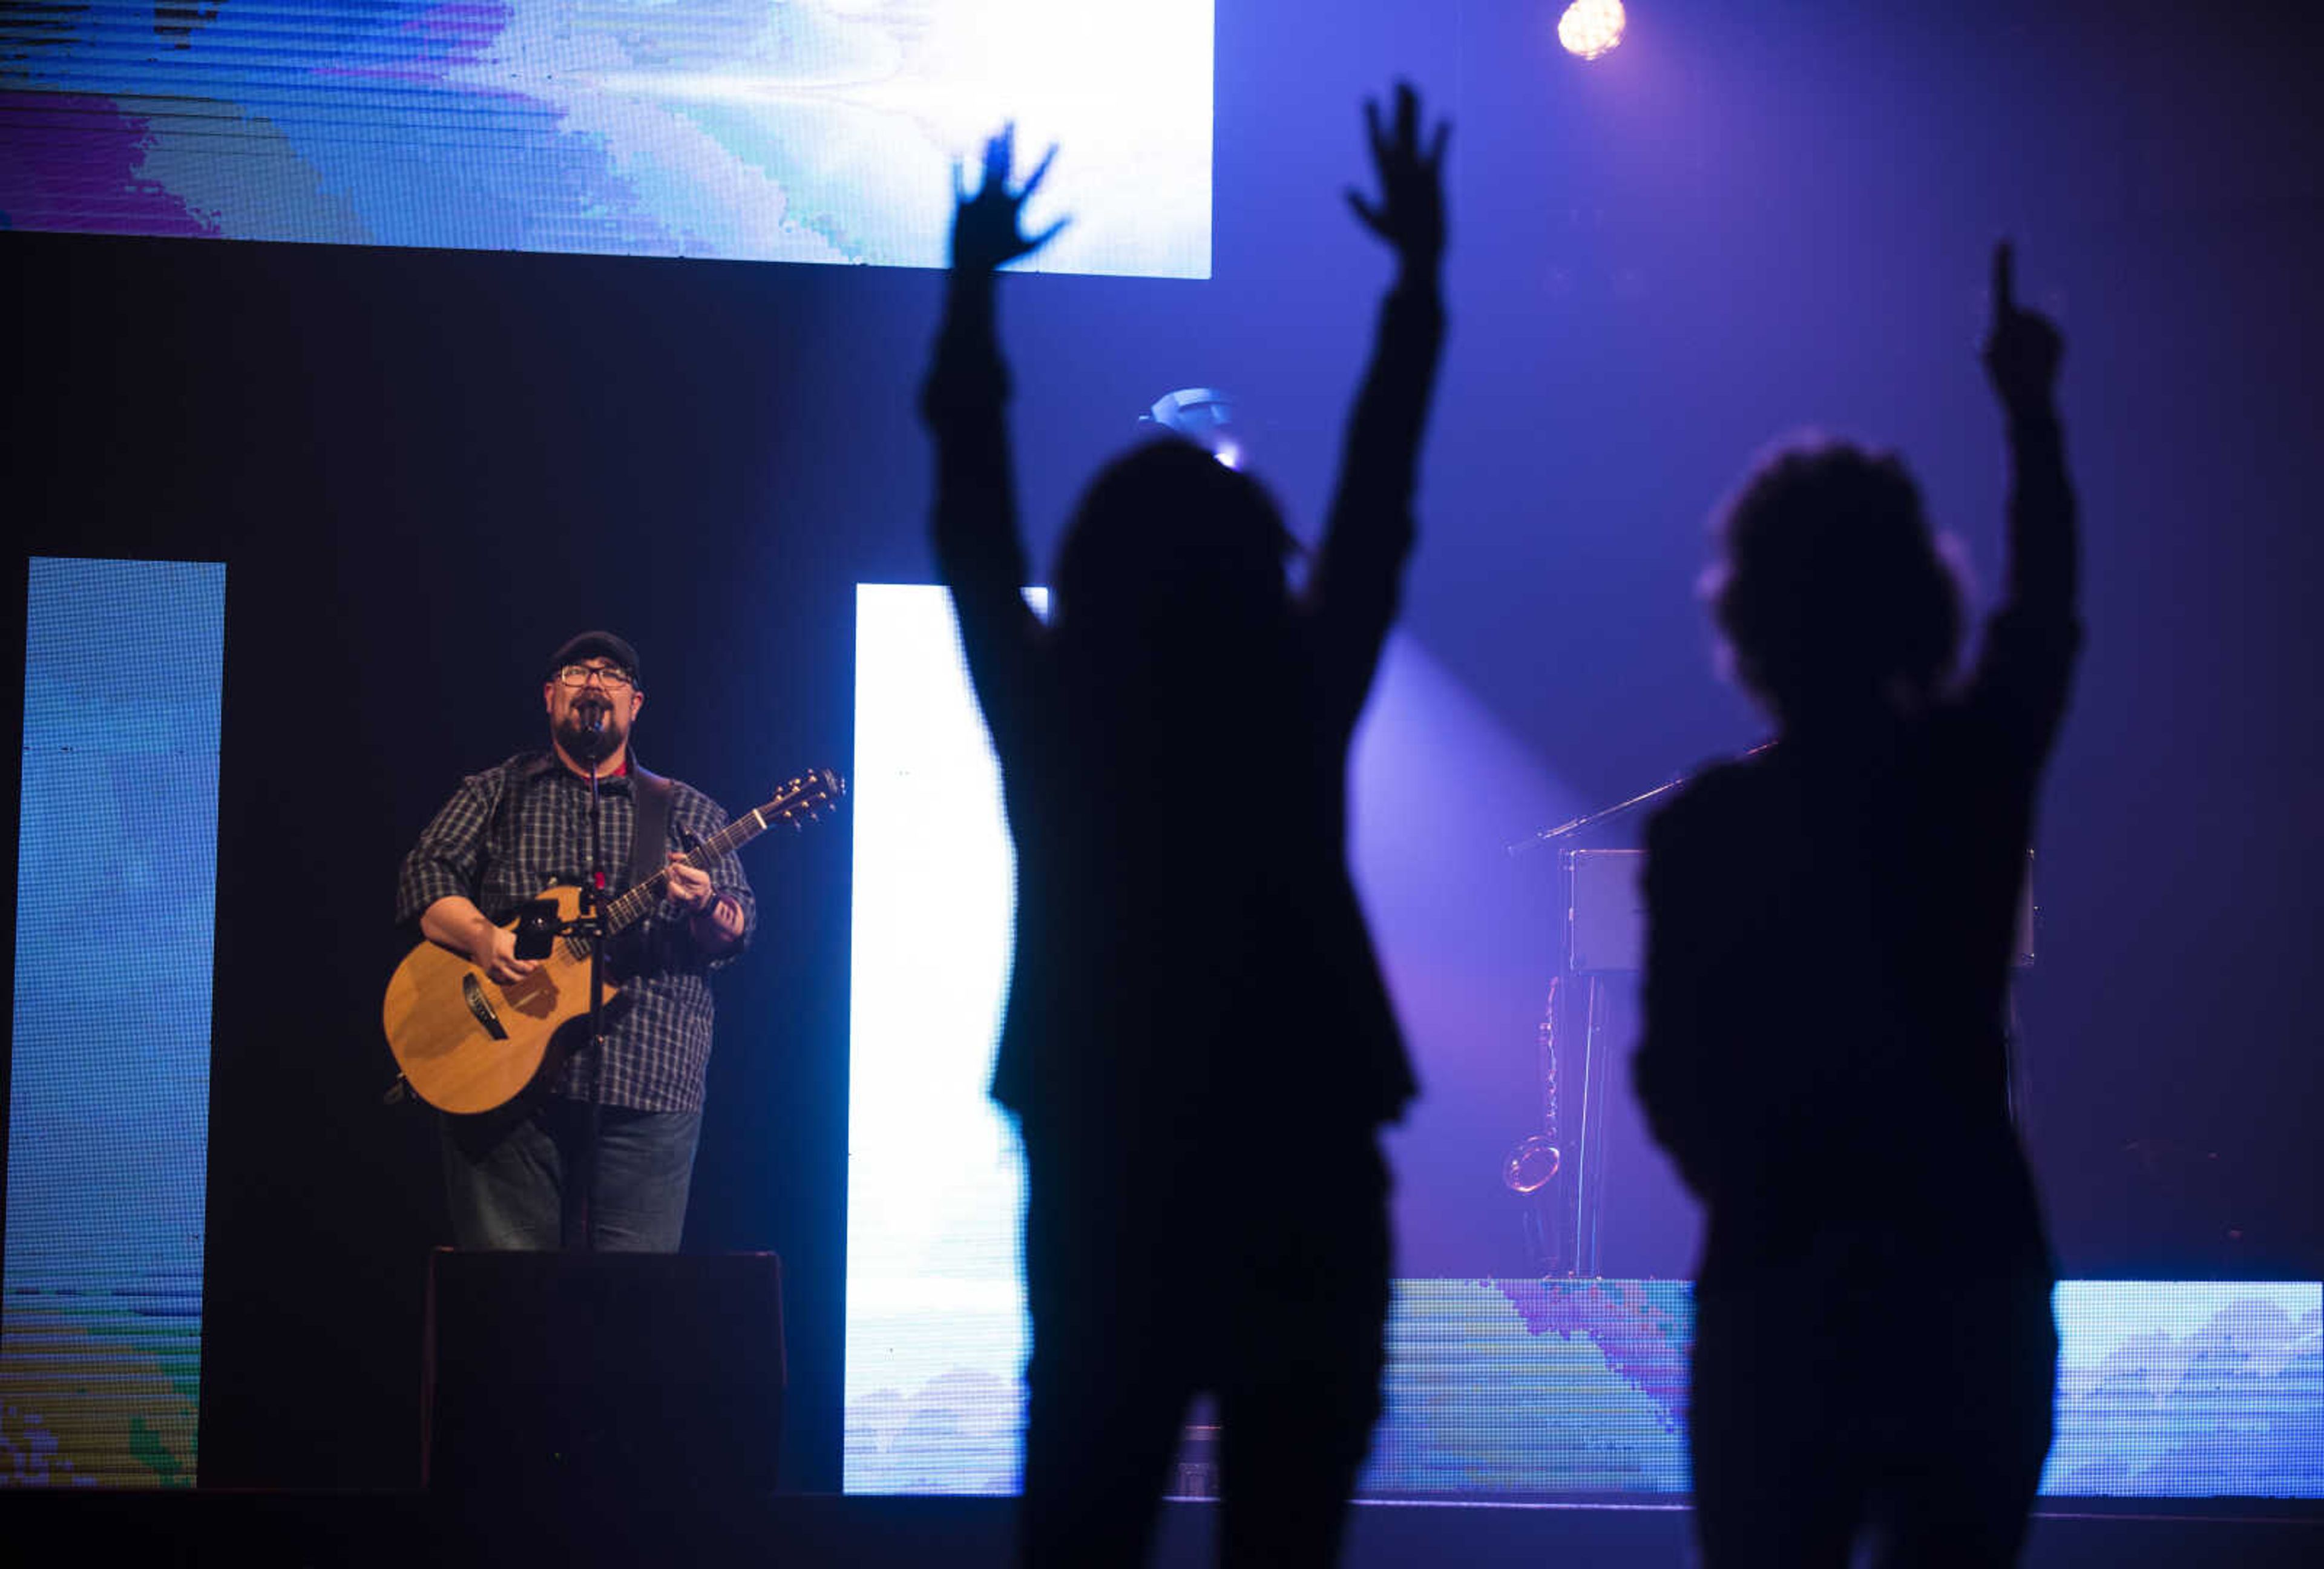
x=649 y=847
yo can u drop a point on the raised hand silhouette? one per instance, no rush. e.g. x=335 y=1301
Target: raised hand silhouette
x=986 y=232
x=1410 y=212
x=1171 y=982
x=2022 y=347
x=1863 y=1182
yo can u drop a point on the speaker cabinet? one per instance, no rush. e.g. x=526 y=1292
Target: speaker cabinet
x=630 y=1374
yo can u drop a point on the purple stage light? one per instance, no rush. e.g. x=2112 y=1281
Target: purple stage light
x=1590 y=27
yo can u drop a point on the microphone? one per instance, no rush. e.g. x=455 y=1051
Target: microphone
x=589 y=717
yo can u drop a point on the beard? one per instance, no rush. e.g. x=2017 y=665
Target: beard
x=587 y=745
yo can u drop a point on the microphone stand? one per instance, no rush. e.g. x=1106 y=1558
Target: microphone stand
x=591 y=927
x=1573 y=1250
x=1592 y=819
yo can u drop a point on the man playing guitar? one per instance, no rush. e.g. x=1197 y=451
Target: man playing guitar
x=518 y=1174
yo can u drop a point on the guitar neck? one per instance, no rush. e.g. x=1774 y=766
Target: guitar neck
x=634 y=904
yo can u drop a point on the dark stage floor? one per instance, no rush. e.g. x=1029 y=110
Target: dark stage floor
x=257 y=1530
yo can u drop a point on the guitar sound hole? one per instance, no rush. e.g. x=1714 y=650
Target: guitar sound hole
x=481 y=1006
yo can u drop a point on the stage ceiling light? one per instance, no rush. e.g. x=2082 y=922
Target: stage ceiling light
x=1591 y=27
x=1202 y=415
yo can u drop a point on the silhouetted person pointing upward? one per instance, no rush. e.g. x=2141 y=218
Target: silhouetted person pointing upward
x=1830 y=929
x=1198 y=1045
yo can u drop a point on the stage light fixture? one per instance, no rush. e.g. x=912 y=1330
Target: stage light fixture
x=1591 y=27
x=1204 y=416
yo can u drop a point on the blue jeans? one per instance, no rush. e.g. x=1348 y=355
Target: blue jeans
x=516 y=1178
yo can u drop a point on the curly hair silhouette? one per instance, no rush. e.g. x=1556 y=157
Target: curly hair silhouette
x=1831 y=592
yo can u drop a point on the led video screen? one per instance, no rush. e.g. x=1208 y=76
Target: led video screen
x=1496 y=1388
x=765 y=130
x=109 y=1080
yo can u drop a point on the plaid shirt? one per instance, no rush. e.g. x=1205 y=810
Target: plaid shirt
x=515 y=830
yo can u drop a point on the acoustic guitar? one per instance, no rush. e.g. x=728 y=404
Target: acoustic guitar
x=466 y=1043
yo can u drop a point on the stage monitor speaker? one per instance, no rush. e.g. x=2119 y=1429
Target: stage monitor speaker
x=642 y=1373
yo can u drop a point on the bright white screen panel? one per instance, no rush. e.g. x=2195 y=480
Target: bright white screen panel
x=935 y=1307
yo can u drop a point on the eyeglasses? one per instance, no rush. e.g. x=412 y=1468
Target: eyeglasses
x=612 y=678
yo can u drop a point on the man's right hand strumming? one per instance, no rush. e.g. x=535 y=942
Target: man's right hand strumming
x=496 y=957
x=458 y=925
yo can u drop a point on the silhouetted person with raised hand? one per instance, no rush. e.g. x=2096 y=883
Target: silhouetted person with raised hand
x=1198 y=1047
x=1830 y=934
